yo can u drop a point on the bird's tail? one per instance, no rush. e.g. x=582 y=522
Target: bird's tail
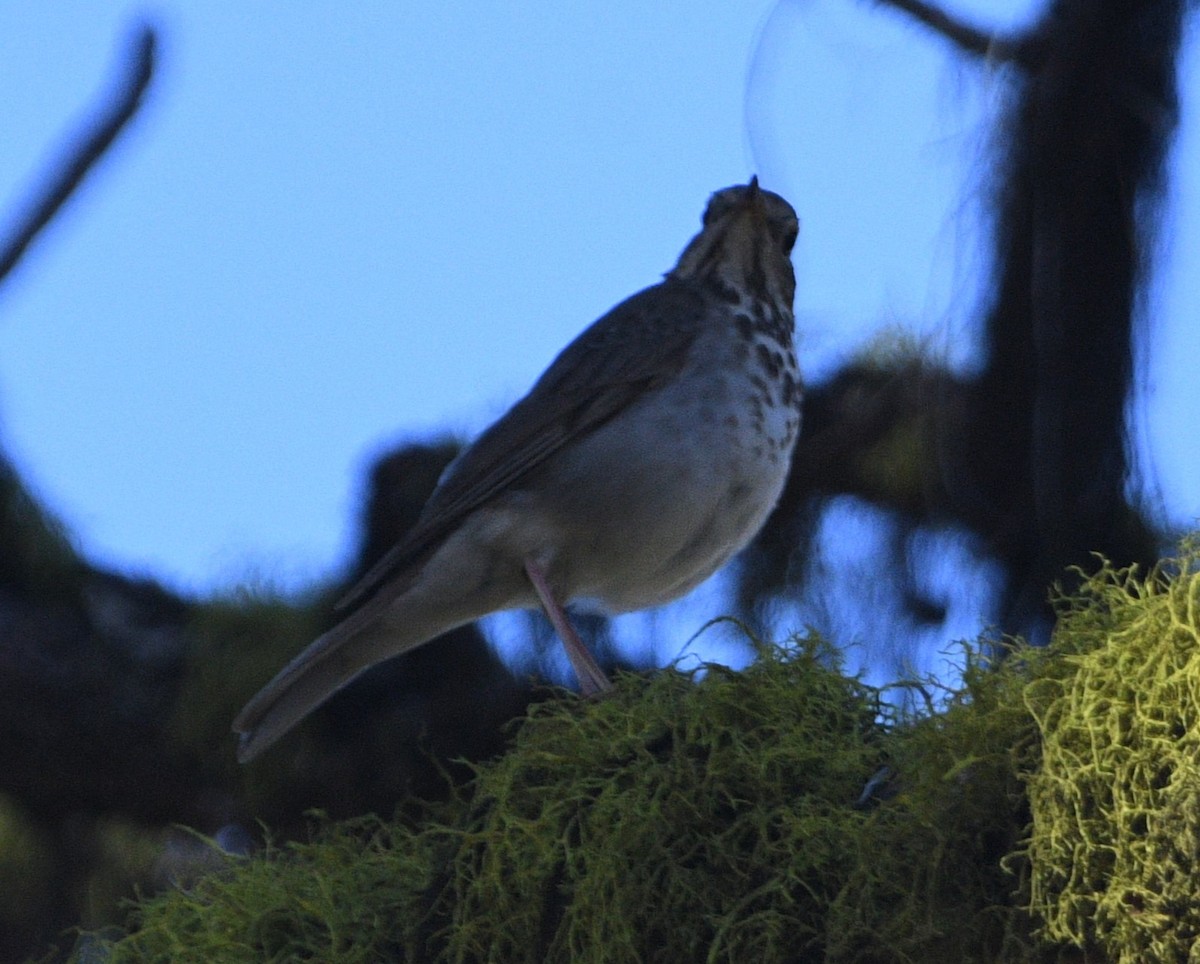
x=455 y=587
x=324 y=666
x=319 y=671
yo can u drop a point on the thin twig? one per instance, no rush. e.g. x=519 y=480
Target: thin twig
x=969 y=39
x=81 y=157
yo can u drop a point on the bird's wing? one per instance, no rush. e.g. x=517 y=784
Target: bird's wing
x=638 y=345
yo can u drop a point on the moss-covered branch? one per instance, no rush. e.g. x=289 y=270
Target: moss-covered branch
x=1043 y=810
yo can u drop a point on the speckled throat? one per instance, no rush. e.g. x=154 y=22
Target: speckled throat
x=766 y=331
x=742 y=260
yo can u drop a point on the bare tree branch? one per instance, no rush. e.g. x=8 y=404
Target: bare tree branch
x=82 y=156
x=968 y=39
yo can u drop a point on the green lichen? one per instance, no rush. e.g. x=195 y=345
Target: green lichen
x=1116 y=801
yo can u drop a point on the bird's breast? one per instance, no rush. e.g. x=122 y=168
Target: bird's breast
x=684 y=478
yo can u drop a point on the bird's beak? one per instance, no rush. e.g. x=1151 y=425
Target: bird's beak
x=754 y=198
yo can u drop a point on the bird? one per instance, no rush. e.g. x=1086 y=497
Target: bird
x=650 y=452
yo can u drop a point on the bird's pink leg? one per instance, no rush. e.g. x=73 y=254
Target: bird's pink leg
x=592 y=680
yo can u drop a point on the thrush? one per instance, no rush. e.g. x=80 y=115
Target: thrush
x=651 y=450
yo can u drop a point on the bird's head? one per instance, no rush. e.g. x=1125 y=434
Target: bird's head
x=746 y=243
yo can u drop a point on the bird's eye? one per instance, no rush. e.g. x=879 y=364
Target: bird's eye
x=785 y=233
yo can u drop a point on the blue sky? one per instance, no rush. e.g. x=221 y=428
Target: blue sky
x=336 y=227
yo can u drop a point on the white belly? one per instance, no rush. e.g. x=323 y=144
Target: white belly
x=660 y=498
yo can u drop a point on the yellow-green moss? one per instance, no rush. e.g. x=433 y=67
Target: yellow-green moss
x=676 y=820
x=685 y=817
x=711 y=817
x=928 y=882
x=348 y=898
x=1116 y=801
